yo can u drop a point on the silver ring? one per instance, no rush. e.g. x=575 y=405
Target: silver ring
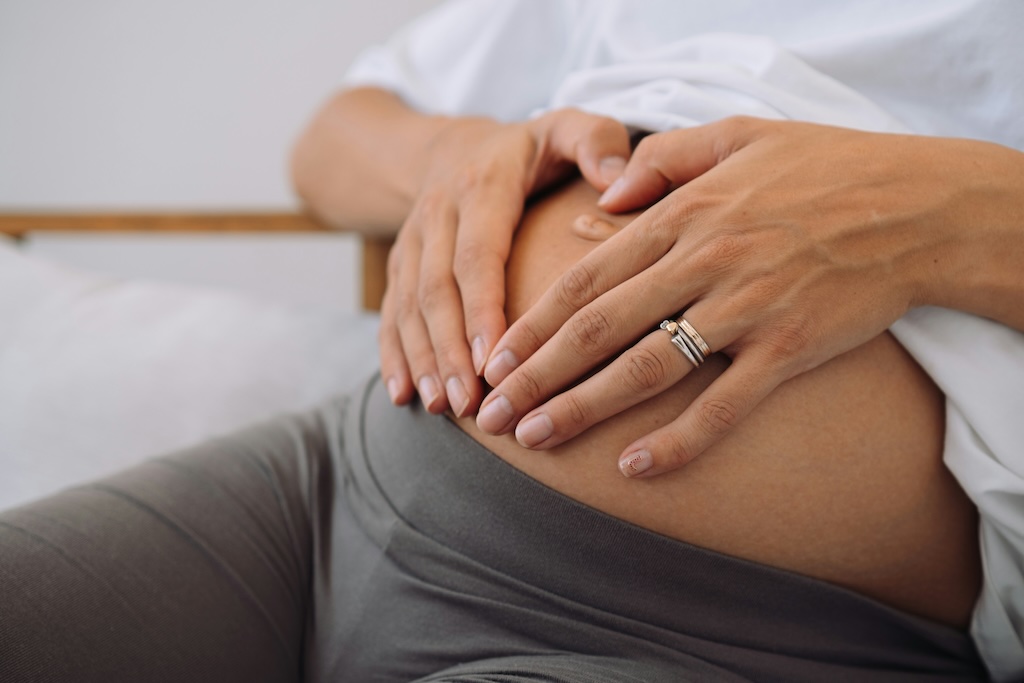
x=695 y=337
x=688 y=340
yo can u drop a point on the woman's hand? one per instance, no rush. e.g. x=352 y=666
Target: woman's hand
x=788 y=245
x=443 y=309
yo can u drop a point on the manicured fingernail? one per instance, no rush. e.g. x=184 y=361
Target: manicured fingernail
x=495 y=416
x=611 y=168
x=479 y=355
x=632 y=464
x=458 y=399
x=534 y=430
x=428 y=391
x=500 y=367
x=393 y=389
x=613 y=192
x=592 y=228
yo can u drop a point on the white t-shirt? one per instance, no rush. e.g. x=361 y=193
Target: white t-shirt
x=938 y=67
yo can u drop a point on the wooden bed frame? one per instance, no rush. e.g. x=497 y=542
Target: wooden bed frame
x=374 y=251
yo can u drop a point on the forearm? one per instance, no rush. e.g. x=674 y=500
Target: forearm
x=980 y=267
x=360 y=161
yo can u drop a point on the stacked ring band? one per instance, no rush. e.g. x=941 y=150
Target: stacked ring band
x=688 y=340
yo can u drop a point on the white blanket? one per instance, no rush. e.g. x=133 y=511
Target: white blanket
x=940 y=67
x=97 y=373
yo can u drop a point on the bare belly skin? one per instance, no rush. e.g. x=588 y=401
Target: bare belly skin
x=838 y=475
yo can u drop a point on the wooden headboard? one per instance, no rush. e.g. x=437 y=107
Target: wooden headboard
x=374 y=251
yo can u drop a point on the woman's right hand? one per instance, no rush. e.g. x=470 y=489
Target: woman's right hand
x=443 y=308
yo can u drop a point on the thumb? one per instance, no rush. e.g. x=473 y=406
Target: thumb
x=664 y=161
x=598 y=145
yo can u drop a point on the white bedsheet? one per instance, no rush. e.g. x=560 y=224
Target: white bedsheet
x=97 y=373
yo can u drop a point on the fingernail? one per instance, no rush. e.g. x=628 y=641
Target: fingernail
x=611 y=168
x=500 y=367
x=428 y=391
x=393 y=389
x=594 y=229
x=458 y=399
x=495 y=416
x=479 y=355
x=534 y=429
x=583 y=223
x=636 y=462
x=613 y=192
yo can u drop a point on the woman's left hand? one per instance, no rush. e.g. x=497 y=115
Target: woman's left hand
x=788 y=244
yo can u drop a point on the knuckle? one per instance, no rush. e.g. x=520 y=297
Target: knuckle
x=647 y=149
x=669 y=224
x=736 y=131
x=429 y=205
x=645 y=371
x=470 y=257
x=447 y=354
x=716 y=416
x=766 y=289
x=737 y=120
x=589 y=333
x=472 y=177
x=386 y=334
x=394 y=261
x=434 y=292
x=736 y=124
x=578 y=287
x=723 y=250
x=601 y=126
x=406 y=303
x=788 y=340
x=530 y=338
x=677 y=450
x=577 y=413
x=528 y=384
x=612 y=126
x=478 y=310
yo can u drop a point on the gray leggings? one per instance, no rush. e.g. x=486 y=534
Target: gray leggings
x=366 y=543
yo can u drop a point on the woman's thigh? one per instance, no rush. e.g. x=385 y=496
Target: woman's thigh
x=194 y=566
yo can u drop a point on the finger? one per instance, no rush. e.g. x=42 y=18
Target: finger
x=597 y=144
x=631 y=251
x=651 y=366
x=664 y=161
x=593 y=334
x=647 y=369
x=412 y=330
x=393 y=368
x=487 y=220
x=441 y=308
x=714 y=413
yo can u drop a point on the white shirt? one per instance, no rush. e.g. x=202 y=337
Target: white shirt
x=939 y=67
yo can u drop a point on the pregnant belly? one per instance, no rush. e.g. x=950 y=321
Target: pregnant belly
x=837 y=475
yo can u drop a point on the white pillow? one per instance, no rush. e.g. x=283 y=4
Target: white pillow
x=97 y=373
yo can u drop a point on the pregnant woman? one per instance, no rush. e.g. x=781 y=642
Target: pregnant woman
x=822 y=540
x=821 y=537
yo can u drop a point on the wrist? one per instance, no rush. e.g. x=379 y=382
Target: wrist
x=976 y=261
